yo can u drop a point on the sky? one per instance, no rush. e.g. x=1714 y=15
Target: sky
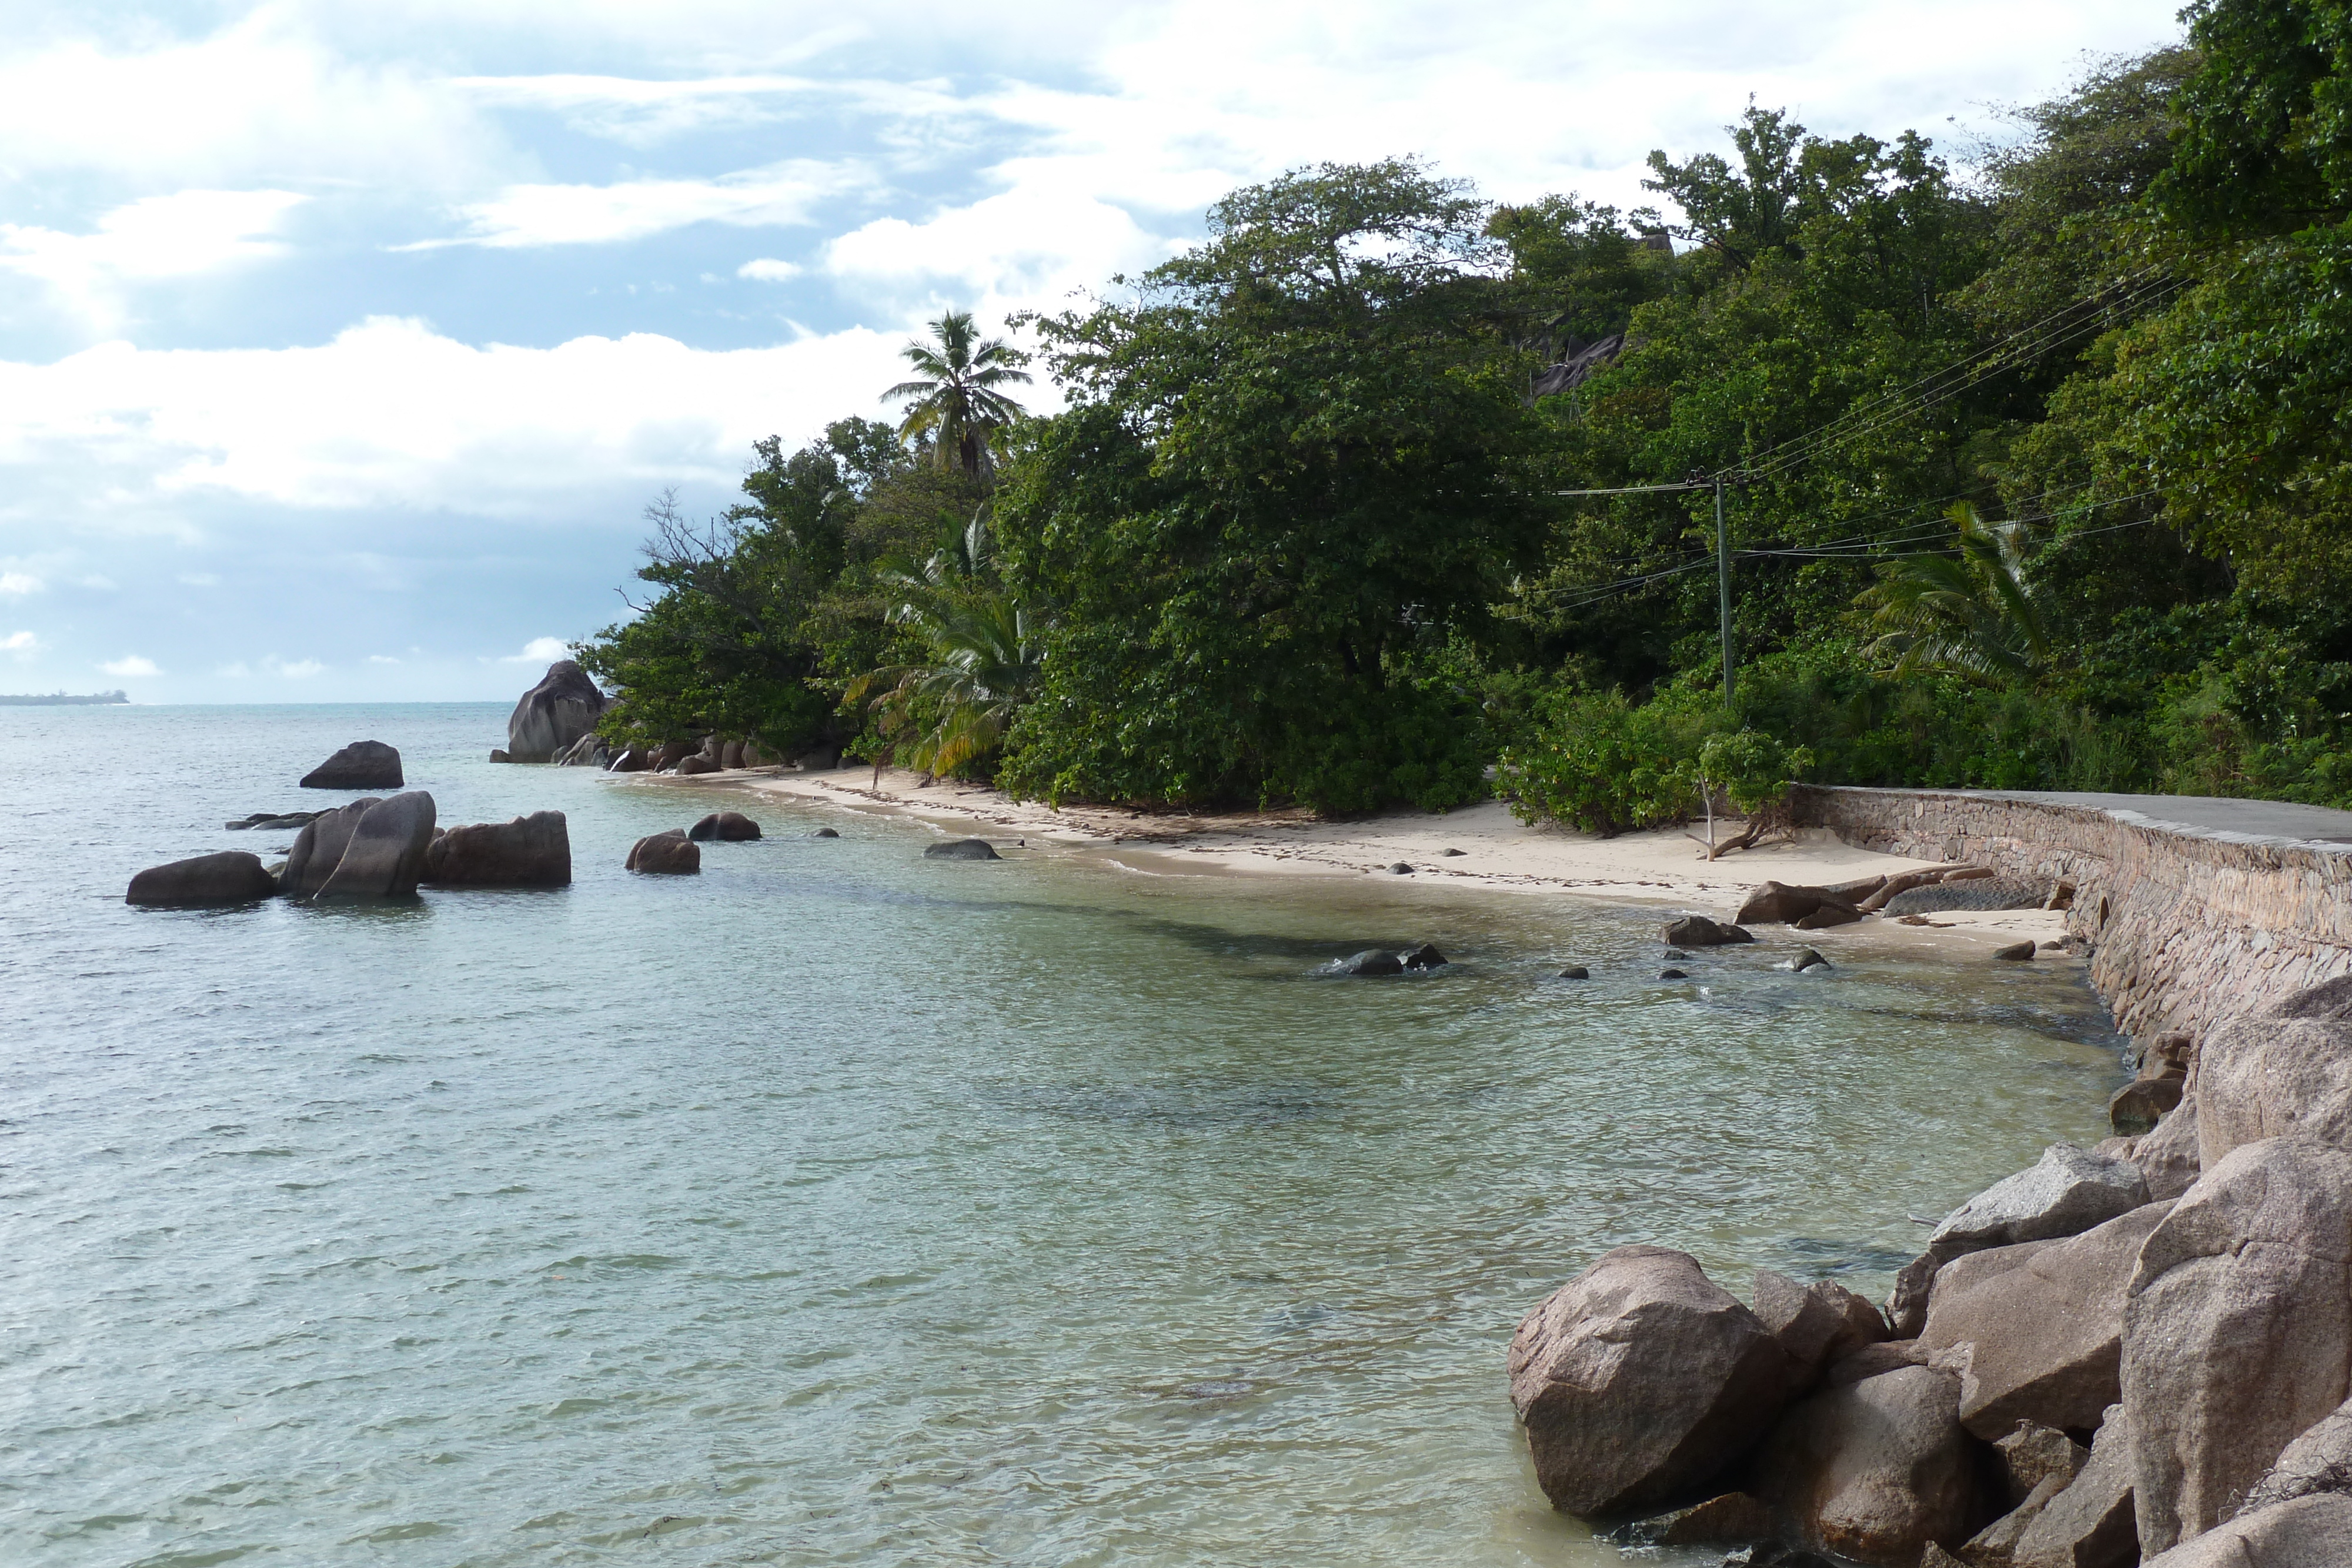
x=341 y=347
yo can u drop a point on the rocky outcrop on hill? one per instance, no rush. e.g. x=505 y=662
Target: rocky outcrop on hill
x=231 y=877
x=528 y=852
x=554 y=714
x=361 y=764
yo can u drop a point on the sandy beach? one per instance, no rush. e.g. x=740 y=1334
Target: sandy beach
x=1481 y=846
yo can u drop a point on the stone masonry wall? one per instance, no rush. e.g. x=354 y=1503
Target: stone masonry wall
x=2185 y=926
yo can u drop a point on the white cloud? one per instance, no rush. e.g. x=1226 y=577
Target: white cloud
x=765 y=269
x=539 y=650
x=177 y=235
x=131 y=665
x=382 y=659
x=16 y=584
x=299 y=670
x=391 y=413
x=522 y=215
x=234 y=671
x=20 y=642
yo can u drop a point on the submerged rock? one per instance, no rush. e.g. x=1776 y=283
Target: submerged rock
x=1425 y=956
x=528 y=852
x=1372 y=961
x=1699 y=931
x=962 y=849
x=1576 y=972
x=824 y=834
x=1639 y=1380
x=671 y=853
x=271 y=821
x=228 y=876
x=1803 y=959
x=361 y=764
x=728 y=827
x=1672 y=975
x=2015 y=953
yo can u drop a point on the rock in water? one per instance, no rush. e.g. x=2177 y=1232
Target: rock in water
x=1815 y=1324
x=1576 y=972
x=588 y=751
x=529 y=852
x=728 y=827
x=2015 y=953
x=361 y=764
x=386 y=853
x=318 y=848
x=2238 y=1330
x=2285 y=1072
x=1639 y=1380
x=665 y=853
x=962 y=849
x=2139 y=1105
x=2309 y=1532
x=1372 y=961
x=690 y=767
x=1878 y=1469
x=2044 y=1322
x=1699 y=931
x=1425 y=956
x=1672 y=975
x=2067 y=1192
x=563 y=707
x=824 y=834
x=231 y=877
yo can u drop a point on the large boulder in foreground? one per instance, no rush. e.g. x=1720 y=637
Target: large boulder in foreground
x=1816 y=1323
x=385 y=857
x=1878 y=1469
x=669 y=853
x=318 y=848
x=361 y=764
x=2044 y=1321
x=727 y=827
x=1639 y=1379
x=1780 y=903
x=2310 y=1532
x=2067 y=1192
x=2281 y=1073
x=553 y=715
x=232 y=876
x=2237 y=1331
x=529 y=852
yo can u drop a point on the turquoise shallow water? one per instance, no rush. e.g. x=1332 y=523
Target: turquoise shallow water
x=836 y=1207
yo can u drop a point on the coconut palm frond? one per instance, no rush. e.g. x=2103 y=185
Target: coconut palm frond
x=1973 y=613
x=955 y=400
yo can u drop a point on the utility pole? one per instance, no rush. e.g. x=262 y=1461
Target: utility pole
x=1723 y=586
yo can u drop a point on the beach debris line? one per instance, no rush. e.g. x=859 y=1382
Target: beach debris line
x=361 y=764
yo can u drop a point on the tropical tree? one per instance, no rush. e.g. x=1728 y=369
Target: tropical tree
x=1971 y=613
x=981 y=660
x=955 y=402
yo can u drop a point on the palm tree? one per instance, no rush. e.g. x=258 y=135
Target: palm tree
x=982 y=663
x=1972 y=614
x=956 y=403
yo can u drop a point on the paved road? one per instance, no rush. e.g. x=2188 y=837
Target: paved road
x=2266 y=819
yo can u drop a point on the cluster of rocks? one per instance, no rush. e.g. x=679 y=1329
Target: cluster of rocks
x=2140 y=1352
x=678 y=850
x=374 y=848
x=556 y=719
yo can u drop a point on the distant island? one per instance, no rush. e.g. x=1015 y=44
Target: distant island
x=62 y=699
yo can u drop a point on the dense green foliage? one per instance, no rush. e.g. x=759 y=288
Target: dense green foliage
x=2035 y=476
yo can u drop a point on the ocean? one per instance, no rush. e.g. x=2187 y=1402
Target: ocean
x=841 y=1206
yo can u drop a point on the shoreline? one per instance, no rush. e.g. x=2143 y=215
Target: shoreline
x=1496 y=852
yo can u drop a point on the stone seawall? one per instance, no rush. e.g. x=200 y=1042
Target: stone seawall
x=2185 y=925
